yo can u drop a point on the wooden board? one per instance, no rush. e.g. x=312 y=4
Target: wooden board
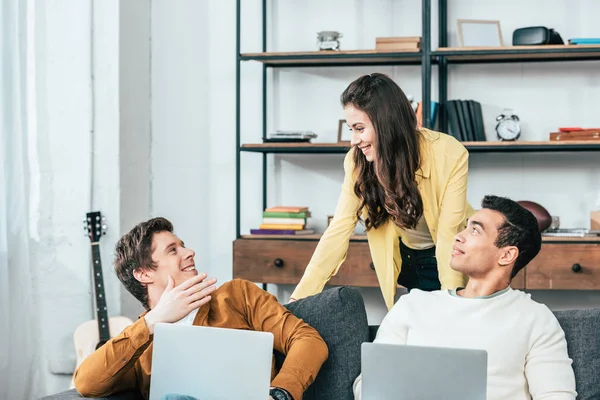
x=335 y=57
x=523 y=143
x=296 y=144
x=556 y=267
x=498 y=144
x=315 y=236
x=284 y=262
x=569 y=240
x=518 y=281
x=521 y=52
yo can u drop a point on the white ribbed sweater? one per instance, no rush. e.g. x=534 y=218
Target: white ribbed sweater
x=527 y=351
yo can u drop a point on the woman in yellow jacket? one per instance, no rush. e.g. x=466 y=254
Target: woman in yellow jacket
x=409 y=186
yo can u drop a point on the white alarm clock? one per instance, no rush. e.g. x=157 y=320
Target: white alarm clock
x=508 y=127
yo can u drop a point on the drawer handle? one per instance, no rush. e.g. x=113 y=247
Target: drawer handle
x=372 y=266
x=278 y=263
x=576 y=268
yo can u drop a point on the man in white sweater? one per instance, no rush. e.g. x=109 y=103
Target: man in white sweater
x=527 y=350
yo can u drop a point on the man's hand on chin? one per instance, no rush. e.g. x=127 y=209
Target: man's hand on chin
x=178 y=301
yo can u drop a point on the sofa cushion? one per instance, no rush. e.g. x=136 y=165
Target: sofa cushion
x=339 y=316
x=73 y=395
x=582 y=331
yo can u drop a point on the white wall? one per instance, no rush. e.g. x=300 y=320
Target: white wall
x=193 y=98
x=185 y=185
x=181 y=120
x=135 y=128
x=64 y=110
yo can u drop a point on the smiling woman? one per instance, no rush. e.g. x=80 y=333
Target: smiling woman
x=407 y=185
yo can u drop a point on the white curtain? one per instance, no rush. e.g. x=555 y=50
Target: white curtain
x=19 y=332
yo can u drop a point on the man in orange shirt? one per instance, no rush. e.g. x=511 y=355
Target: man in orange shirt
x=155 y=266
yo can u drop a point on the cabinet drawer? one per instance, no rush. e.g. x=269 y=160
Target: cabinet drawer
x=565 y=266
x=284 y=262
x=518 y=282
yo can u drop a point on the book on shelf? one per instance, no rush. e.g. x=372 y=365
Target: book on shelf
x=283 y=220
x=281 y=232
x=587 y=41
x=433 y=112
x=397 y=43
x=290 y=209
x=465 y=120
x=293 y=227
x=290 y=136
x=580 y=134
x=285 y=214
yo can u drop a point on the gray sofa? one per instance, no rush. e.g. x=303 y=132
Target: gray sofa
x=339 y=316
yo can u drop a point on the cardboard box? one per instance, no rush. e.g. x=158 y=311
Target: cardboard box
x=595 y=221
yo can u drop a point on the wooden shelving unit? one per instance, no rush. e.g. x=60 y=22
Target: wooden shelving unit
x=473 y=147
x=315 y=236
x=525 y=147
x=363 y=238
x=564 y=262
x=333 y=58
x=519 y=53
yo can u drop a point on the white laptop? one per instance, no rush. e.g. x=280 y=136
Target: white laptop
x=210 y=363
x=401 y=372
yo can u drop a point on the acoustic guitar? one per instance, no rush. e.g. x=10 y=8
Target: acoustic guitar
x=92 y=334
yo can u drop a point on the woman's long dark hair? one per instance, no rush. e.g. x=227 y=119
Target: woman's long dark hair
x=387 y=186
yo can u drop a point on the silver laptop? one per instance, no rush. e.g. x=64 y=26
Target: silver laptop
x=210 y=363
x=401 y=372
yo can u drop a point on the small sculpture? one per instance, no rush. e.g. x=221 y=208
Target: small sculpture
x=328 y=40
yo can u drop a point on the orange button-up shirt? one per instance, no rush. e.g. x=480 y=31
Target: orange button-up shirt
x=125 y=361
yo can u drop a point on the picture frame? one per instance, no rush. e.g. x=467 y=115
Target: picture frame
x=479 y=33
x=344 y=135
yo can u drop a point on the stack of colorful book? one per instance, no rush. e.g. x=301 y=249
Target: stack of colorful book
x=284 y=220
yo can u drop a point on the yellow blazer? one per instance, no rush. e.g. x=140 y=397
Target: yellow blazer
x=442 y=183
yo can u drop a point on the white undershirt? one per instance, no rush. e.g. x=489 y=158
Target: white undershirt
x=188 y=320
x=527 y=350
x=418 y=238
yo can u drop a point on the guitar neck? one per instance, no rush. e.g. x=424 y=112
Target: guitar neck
x=101 y=310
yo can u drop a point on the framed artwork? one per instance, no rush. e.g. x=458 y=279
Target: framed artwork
x=344 y=133
x=479 y=33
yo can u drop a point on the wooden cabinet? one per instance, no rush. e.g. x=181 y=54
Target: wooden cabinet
x=573 y=266
x=284 y=261
x=565 y=266
x=518 y=281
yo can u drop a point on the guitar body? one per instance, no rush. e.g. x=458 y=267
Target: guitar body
x=86 y=337
x=91 y=335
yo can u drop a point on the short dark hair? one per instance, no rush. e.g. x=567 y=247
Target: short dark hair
x=519 y=229
x=133 y=251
